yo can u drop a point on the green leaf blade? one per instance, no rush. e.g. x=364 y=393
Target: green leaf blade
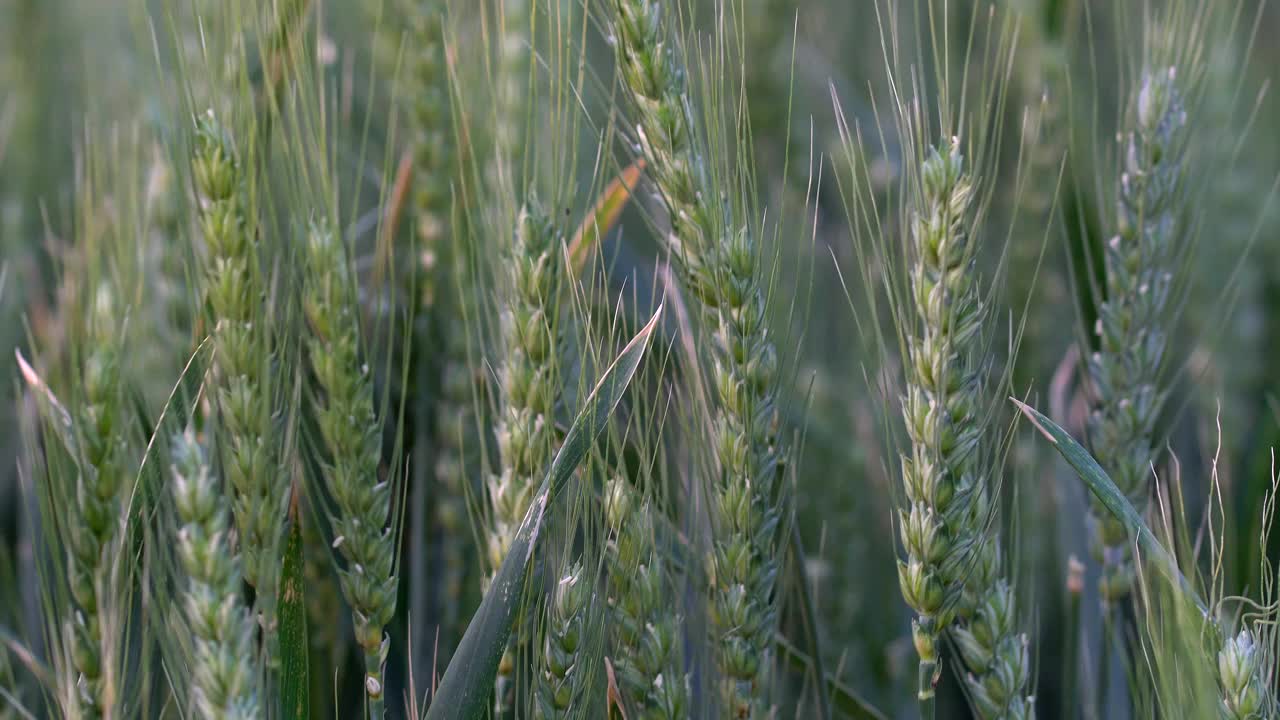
x=295 y=680
x=1102 y=487
x=464 y=690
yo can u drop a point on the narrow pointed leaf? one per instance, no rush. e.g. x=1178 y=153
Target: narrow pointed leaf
x=605 y=213
x=295 y=680
x=464 y=691
x=1100 y=484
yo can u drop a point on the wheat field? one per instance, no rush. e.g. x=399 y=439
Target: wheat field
x=653 y=359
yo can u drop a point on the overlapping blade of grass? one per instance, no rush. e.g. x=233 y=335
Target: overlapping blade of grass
x=464 y=690
x=1186 y=645
x=1114 y=500
x=295 y=644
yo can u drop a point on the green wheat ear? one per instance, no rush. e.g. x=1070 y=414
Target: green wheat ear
x=563 y=683
x=1240 y=672
x=222 y=629
x=103 y=483
x=646 y=633
x=1134 y=323
x=509 y=92
x=952 y=576
x=344 y=408
x=447 y=295
x=242 y=387
x=721 y=267
x=530 y=385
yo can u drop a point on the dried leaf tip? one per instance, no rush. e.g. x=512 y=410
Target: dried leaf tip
x=1031 y=415
x=28 y=373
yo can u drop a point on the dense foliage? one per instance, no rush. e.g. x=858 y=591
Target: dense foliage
x=638 y=359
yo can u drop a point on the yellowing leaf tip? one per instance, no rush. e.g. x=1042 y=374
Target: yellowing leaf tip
x=1031 y=415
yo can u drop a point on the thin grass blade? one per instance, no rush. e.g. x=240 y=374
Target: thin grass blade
x=1101 y=485
x=295 y=680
